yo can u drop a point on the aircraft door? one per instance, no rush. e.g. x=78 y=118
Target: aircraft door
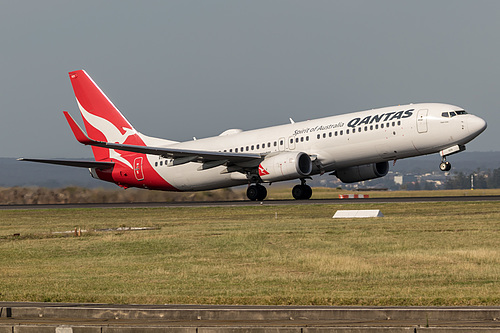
x=281 y=144
x=291 y=143
x=139 y=174
x=422 y=120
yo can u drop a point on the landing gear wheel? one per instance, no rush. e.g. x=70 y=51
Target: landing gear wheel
x=256 y=192
x=301 y=192
x=445 y=166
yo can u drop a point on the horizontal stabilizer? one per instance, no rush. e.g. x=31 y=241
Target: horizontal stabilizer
x=77 y=131
x=73 y=163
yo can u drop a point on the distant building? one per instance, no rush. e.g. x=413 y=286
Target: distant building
x=398 y=179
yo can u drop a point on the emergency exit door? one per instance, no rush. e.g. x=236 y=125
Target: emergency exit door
x=422 y=120
x=139 y=174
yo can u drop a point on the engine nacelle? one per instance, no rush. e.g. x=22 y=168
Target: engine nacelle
x=285 y=166
x=363 y=172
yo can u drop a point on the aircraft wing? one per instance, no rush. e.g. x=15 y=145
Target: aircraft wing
x=73 y=163
x=185 y=154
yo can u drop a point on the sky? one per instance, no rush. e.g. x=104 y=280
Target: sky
x=178 y=69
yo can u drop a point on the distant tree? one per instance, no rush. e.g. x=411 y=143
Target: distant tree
x=481 y=180
x=429 y=186
x=494 y=179
x=413 y=186
x=458 y=181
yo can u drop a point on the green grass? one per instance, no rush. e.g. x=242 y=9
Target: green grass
x=418 y=254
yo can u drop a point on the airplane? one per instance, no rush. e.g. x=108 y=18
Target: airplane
x=354 y=147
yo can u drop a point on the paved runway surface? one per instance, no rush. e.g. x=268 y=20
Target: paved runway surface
x=256 y=203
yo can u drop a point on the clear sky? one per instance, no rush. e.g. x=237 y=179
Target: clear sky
x=178 y=69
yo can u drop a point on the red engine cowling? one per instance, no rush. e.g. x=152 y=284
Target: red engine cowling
x=285 y=166
x=363 y=172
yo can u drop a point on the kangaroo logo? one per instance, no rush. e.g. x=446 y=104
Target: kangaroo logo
x=110 y=132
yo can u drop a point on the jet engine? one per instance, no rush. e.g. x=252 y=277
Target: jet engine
x=363 y=172
x=285 y=166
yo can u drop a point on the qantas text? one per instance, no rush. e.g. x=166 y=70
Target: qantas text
x=380 y=117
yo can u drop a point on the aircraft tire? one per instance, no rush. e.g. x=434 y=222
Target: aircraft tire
x=445 y=166
x=262 y=192
x=256 y=192
x=301 y=192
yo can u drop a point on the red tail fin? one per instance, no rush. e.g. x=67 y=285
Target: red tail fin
x=103 y=121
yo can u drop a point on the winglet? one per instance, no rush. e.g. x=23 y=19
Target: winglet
x=77 y=131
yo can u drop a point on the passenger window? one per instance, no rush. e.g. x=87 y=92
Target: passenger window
x=156 y=164
x=301 y=139
x=353 y=130
x=341 y=132
x=307 y=138
x=257 y=147
x=347 y=131
x=366 y=128
x=281 y=142
x=324 y=135
x=236 y=150
x=318 y=136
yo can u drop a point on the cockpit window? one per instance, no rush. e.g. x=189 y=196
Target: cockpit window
x=453 y=113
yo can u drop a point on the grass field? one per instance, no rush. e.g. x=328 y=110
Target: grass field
x=418 y=254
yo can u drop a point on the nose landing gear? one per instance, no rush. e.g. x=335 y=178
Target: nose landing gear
x=444 y=165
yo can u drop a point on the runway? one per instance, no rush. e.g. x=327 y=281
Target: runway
x=241 y=203
x=64 y=317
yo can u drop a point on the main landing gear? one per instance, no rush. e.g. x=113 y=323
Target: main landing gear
x=302 y=191
x=256 y=192
x=444 y=165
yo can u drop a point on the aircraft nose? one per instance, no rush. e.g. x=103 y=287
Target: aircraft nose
x=476 y=125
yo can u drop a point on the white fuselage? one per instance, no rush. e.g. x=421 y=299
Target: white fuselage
x=335 y=142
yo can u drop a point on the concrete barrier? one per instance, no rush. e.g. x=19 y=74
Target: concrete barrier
x=255 y=313
x=90 y=318
x=237 y=329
